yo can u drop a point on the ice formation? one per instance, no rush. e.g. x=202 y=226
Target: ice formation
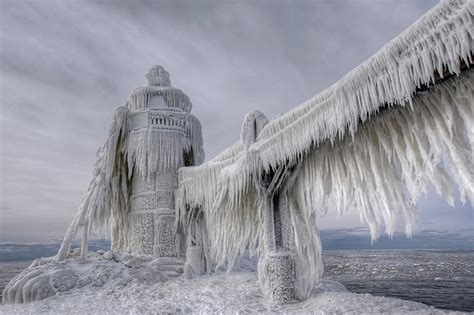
x=373 y=141
x=135 y=175
x=236 y=293
x=133 y=188
x=47 y=277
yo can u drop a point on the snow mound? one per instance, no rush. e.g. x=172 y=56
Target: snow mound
x=238 y=292
x=47 y=277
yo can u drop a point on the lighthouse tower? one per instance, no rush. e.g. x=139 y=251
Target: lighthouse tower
x=164 y=136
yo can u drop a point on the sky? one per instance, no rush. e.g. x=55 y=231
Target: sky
x=65 y=66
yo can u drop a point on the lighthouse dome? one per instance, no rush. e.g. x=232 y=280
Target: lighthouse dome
x=158 y=76
x=158 y=84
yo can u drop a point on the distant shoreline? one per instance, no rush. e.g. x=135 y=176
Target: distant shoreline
x=355 y=239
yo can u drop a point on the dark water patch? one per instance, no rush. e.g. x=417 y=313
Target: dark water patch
x=443 y=294
x=441 y=278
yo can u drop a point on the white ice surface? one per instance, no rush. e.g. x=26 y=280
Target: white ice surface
x=237 y=292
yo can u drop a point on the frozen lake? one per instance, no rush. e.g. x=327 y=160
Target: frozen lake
x=441 y=278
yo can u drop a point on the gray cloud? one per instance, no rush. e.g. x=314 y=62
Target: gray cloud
x=66 y=65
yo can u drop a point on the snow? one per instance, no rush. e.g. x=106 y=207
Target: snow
x=105 y=286
x=46 y=277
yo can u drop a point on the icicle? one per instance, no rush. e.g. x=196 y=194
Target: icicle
x=381 y=170
x=390 y=77
x=175 y=98
x=104 y=197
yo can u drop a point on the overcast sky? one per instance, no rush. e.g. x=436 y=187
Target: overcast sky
x=67 y=65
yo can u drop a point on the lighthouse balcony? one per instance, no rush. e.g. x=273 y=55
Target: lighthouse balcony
x=161 y=119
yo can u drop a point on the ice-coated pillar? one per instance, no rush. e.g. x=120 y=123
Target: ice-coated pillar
x=278 y=275
x=282 y=277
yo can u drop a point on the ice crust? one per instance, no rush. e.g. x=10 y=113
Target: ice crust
x=105 y=286
x=47 y=277
x=381 y=172
x=374 y=142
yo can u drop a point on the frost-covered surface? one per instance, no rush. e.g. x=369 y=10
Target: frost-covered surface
x=218 y=294
x=135 y=175
x=47 y=277
x=381 y=171
x=408 y=274
x=131 y=290
x=373 y=141
x=379 y=166
x=440 y=42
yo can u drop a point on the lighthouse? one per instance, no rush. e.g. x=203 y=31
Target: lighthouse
x=135 y=177
x=163 y=137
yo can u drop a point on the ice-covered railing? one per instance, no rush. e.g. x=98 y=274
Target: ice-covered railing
x=372 y=142
x=438 y=43
x=193 y=180
x=381 y=171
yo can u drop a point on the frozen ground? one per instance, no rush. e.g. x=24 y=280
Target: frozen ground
x=236 y=292
x=10 y=269
x=239 y=292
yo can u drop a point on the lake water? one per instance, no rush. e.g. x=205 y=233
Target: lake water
x=443 y=279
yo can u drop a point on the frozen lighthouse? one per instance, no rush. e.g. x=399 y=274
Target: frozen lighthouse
x=164 y=136
x=136 y=173
x=396 y=126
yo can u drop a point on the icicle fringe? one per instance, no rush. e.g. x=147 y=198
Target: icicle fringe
x=175 y=98
x=367 y=142
x=127 y=151
x=381 y=171
x=438 y=43
x=107 y=195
